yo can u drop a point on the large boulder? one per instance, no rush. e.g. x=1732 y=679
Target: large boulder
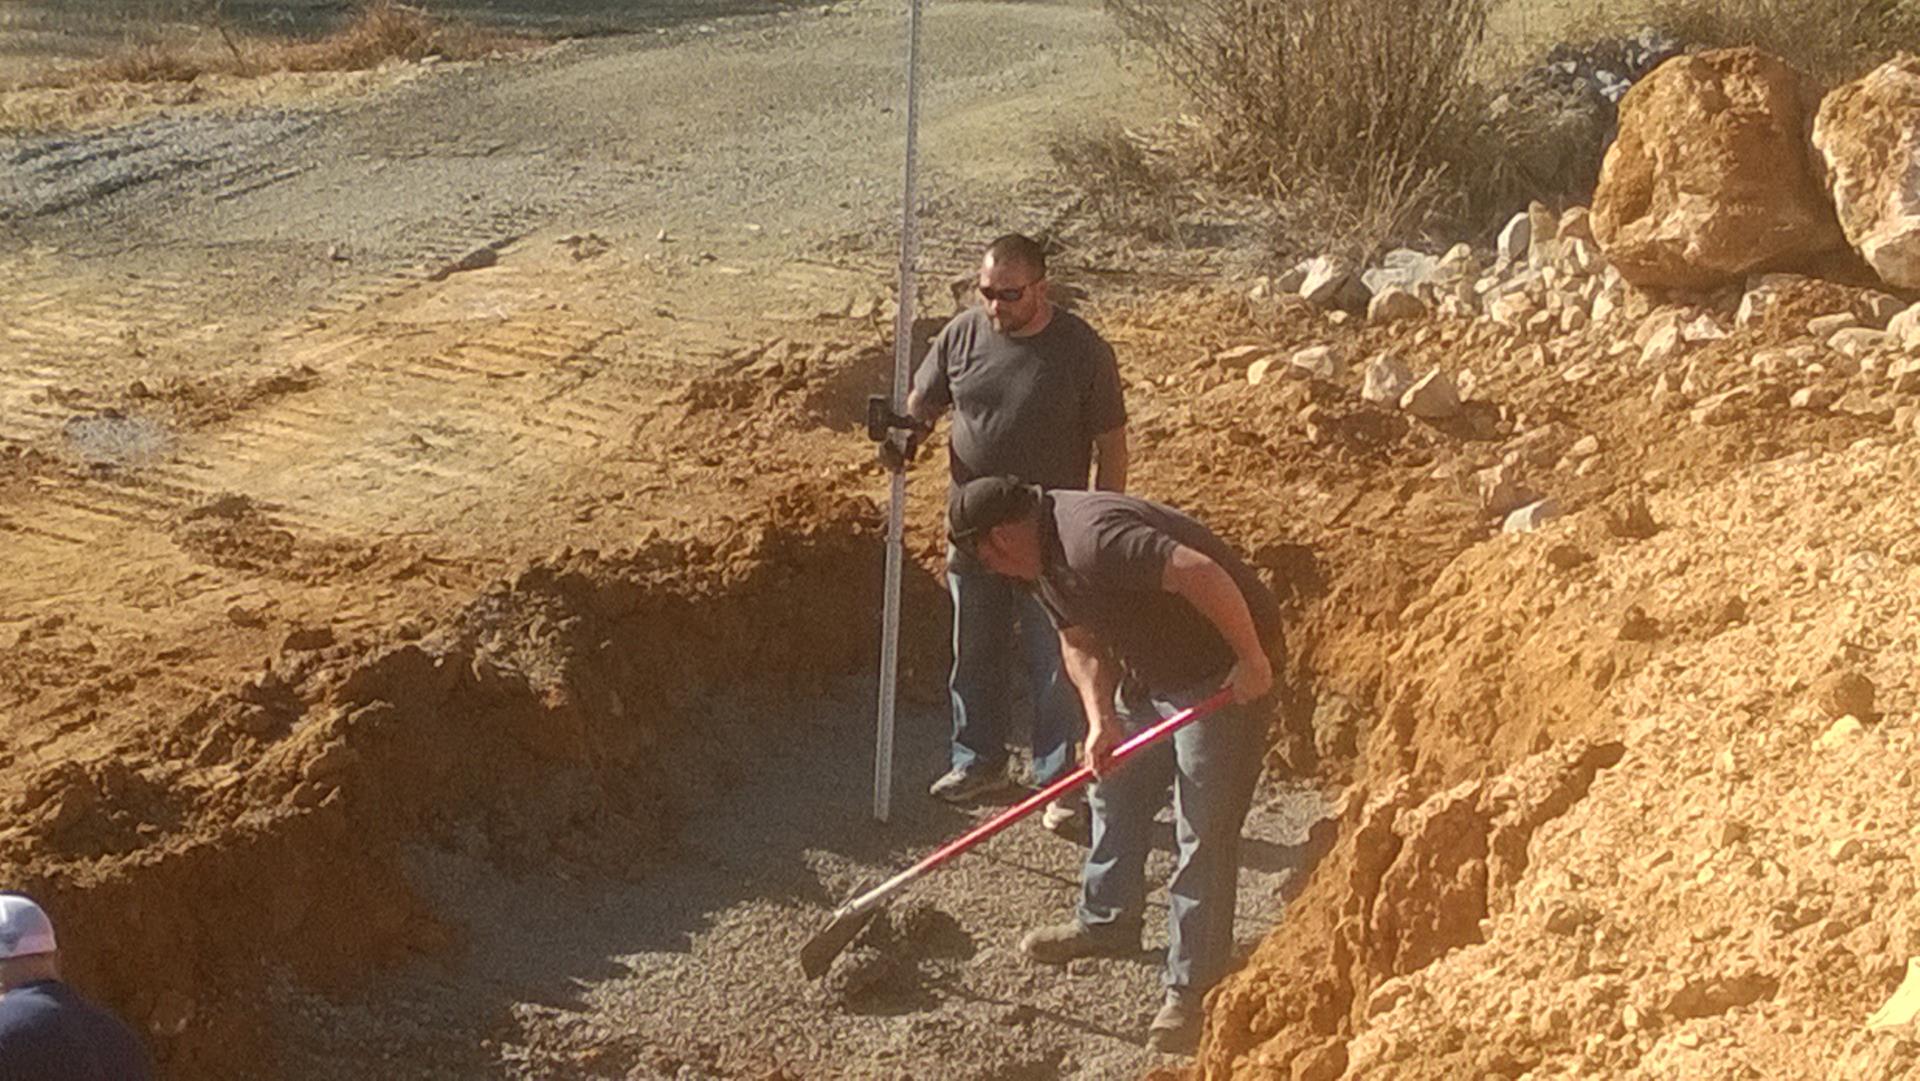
x=1710 y=177
x=1868 y=138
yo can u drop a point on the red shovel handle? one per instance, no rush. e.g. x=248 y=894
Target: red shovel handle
x=820 y=950
x=1058 y=788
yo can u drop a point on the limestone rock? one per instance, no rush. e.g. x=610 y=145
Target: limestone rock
x=1387 y=379
x=1516 y=239
x=1433 y=397
x=1319 y=362
x=1710 y=176
x=1856 y=342
x=1665 y=345
x=1867 y=135
x=1327 y=277
x=1512 y=310
x=1530 y=517
x=1826 y=326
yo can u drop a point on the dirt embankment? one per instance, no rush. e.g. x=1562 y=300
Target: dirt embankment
x=1508 y=704
x=542 y=722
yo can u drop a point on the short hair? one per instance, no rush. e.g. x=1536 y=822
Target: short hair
x=1022 y=249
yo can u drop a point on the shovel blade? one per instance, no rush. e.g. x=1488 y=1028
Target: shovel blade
x=817 y=955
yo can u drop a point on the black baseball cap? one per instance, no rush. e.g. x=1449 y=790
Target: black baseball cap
x=985 y=502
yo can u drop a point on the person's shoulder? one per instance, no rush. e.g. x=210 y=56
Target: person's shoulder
x=1072 y=327
x=25 y=1007
x=967 y=322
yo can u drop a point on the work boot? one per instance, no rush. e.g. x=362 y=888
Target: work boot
x=963 y=783
x=1067 y=817
x=1175 y=1030
x=1059 y=943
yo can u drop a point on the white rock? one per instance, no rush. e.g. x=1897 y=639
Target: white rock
x=1319 y=362
x=1326 y=277
x=1573 y=320
x=1604 y=307
x=1904 y=374
x=1292 y=280
x=1387 y=379
x=1579 y=256
x=1905 y=327
x=1584 y=447
x=1433 y=397
x=1530 y=517
x=1857 y=342
x=1665 y=345
x=1753 y=308
x=1394 y=304
x=1262 y=289
x=1814 y=398
x=1515 y=240
x=1512 y=310
x=1458 y=265
x=1826 y=326
x=1842 y=732
x=1258 y=370
x=1702 y=329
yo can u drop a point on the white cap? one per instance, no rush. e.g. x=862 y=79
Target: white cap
x=24 y=928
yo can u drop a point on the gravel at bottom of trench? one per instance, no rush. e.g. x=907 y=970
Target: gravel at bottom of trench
x=689 y=968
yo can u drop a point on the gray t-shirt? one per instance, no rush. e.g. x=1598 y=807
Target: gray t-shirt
x=1102 y=557
x=1023 y=407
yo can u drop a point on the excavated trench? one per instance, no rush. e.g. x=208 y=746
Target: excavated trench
x=580 y=829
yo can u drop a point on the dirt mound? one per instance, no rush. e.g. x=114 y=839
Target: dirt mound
x=536 y=726
x=1490 y=685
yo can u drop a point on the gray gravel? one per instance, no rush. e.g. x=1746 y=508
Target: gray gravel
x=689 y=970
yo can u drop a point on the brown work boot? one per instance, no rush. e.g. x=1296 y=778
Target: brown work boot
x=1059 y=943
x=1175 y=1030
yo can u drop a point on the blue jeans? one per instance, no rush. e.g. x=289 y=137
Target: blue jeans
x=986 y=608
x=1212 y=765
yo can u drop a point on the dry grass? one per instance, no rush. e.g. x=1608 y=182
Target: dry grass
x=379 y=31
x=1832 y=40
x=1132 y=190
x=1359 y=116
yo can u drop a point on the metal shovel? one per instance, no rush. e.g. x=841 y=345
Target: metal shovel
x=820 y=950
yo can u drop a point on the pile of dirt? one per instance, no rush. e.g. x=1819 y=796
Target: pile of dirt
x=265 y=828
x=1515 y=704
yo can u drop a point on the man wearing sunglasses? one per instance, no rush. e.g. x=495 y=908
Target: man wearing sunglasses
x=1155 y=613
x=1035 y=394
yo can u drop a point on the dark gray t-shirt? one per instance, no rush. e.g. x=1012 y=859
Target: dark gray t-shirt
x=1023 y=407
x=1102 y=557
x=48 y=1033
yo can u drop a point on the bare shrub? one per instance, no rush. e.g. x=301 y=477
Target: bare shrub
x=377 y=32
x=1361 y=117
x=1832 y=40
x=1126 y=187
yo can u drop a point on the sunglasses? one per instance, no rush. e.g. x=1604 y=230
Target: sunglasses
x=1007 y=296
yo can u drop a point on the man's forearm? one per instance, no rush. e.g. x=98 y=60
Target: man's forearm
x=1093 y=675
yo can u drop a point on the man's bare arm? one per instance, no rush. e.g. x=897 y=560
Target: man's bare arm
x=1096 y=677
x=1110 y=460
x=1215 y=595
